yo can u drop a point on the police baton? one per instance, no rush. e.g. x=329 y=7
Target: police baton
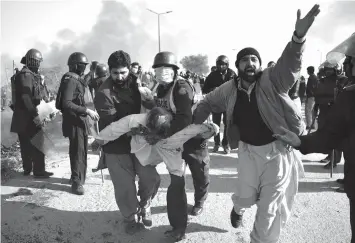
x=97 y=129
x=332 y=158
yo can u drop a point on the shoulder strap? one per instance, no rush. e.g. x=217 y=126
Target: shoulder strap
x=171 y=98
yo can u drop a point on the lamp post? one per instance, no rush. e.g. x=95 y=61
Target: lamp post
x=321 y=56
x=159 y=22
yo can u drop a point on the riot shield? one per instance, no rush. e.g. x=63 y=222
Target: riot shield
x=346 y=48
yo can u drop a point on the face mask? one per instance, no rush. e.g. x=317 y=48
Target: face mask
x=164 y=75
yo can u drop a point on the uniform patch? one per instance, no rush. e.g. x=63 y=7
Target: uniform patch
x=182 y=91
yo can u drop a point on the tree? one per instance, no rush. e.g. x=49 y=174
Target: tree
x=196 y=64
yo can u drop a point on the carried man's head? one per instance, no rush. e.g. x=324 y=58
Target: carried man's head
x=159 y=121
x=248 y=64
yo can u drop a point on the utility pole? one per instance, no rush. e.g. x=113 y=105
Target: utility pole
x=159 y=23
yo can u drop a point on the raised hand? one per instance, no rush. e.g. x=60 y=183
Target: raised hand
x=288 y=137
x=302 y=25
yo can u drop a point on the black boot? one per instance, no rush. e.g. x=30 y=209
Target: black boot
x=176 y=234
x=236 y=219
x=77 y=188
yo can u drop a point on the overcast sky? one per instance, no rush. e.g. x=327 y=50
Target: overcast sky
x=98 y=28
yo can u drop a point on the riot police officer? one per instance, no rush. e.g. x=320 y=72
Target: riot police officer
x=215 y=79
x=25 y=120
x=176 y=95
x=71 y=100
x=101 y=73
x=324 y=100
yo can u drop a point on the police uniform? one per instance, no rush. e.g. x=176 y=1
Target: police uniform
x=180 y=94
x=27 y=96
x=75 y=124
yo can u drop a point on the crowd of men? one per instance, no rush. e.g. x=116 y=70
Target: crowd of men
x=261 y=112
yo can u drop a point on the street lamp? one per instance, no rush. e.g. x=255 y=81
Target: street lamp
x=159 y=22
x=321 y=56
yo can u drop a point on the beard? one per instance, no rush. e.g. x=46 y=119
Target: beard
x=119 y=82
x=249 y=74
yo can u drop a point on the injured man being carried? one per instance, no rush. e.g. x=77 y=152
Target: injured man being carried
x=151 y=142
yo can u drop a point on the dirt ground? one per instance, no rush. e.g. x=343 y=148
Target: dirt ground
x=34 y=210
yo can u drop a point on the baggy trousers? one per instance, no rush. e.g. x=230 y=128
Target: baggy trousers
x=123 y=169
x=216 y=118
x=32 y=158
x=78 y=147
x=309 y=113
x=267 y=176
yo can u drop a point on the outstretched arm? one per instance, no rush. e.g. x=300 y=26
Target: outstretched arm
x=178 y=139
x=286 y=71
x=117 y=128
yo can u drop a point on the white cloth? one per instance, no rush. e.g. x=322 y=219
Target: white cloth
x=168 y=150
x=268 y=177
x=45 y=109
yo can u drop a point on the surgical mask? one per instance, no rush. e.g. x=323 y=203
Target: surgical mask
x=164 y=75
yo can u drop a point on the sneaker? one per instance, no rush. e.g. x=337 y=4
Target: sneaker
x=215 y=149
x=196 y=210
x=226 y=149
x=176 y=234
x=44 y=174
x=77 y=188
x=327 y=166
x=146 y=217
x=236 y=219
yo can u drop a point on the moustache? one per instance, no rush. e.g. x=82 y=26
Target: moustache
x=249 y=69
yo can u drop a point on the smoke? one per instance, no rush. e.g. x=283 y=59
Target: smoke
x=340 y=15
x=114 y=30
x=66 y=34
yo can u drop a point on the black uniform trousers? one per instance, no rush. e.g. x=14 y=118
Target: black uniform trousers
x=216 y=118
x=32 y=158
x=198 y=162
x=323 y=111
x=78 y=145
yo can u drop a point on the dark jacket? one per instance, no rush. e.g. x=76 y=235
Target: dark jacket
x=325 y=91
x=73 y=104
x=95 y=84
x=28 y=96
x=293 y=92
x=311 y=85
x=302 y=90
x=216 y=79
x=183 y=101
x=112 y=103
x=339 y=128
x=44 y=92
